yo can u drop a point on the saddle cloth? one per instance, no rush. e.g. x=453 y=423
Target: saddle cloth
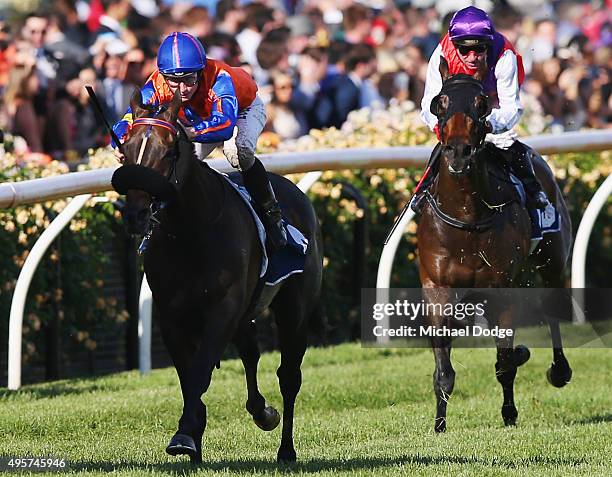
x=285 y=262
x=542 y=221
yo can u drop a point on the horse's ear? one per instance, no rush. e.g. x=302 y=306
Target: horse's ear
x=175 y=105
x=443 y=69
x=439 y=105
x=481 y=72
x=482 y=105
x=136 y=104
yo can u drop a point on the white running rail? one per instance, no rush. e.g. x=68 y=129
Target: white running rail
x=89 y=182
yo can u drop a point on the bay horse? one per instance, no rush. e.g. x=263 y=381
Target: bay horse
x=474 y=234
x=203 y=266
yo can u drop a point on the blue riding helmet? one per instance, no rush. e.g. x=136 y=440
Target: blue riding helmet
x=180 y=53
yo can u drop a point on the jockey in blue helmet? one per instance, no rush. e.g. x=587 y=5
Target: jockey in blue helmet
x=220 y=106
x=470 y=42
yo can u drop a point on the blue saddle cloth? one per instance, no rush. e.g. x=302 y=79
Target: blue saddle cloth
x=285 y=262
x=542 y=221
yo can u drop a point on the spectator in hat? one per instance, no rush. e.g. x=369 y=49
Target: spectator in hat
x=115 y=91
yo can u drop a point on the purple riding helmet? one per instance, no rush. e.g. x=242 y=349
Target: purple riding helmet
x=470 y=26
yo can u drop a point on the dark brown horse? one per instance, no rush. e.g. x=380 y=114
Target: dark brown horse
x=203 y=266
x=473 y=233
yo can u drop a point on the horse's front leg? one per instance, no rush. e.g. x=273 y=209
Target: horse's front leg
x=506 y=366
x=443 y=379
x=444 y=374
x=195 y=350
x=182 y=345
x=266 y=417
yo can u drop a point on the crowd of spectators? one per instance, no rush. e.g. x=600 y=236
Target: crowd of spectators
x=314 y=60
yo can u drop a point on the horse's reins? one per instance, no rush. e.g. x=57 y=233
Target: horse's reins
x=158 y=206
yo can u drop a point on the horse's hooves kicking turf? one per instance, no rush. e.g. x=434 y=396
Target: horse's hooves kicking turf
x=558 y=375
x=521 y=355
x=182 y=444
x=286 y=456
x=268 y=420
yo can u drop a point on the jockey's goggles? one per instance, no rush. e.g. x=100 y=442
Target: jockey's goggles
x=477 y=48
x=190 y=79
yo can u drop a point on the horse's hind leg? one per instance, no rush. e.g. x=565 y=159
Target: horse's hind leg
x=292 y=338
x=505 y=371
x=560 y=372
x=266 y=417
x=506 y=367
x=443 y=380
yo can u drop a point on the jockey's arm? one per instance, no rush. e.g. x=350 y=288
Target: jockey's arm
x=509 y=112
x=433 y=85
x=219 y=126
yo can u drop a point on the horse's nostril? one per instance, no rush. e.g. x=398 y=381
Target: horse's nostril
x=467 y=150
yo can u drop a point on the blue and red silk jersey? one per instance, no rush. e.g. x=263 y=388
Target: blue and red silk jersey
x=212 y=110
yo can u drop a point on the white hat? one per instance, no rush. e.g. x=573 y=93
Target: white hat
x=116 y=47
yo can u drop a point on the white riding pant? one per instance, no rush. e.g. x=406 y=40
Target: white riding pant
x=240 y=148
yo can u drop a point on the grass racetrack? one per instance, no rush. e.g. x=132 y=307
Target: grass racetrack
x=360 y=412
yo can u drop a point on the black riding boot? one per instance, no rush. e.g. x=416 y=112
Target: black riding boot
x=257 y=183
x=520 y=161
x=416 y=203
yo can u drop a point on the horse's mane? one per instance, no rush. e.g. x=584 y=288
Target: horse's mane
x=186 y=148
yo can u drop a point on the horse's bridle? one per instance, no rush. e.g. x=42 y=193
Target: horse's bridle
x=480 y=120
x=156 y=205
x=450 y=83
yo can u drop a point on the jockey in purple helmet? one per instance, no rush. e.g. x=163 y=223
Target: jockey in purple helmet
x=470 y=42
x=220 y=106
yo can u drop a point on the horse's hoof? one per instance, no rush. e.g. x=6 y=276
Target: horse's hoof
x=559 y=376
x=440 y=425
x=286 y=456
x=268 y=420
x=509 y=414
x=183 y=444
x=521 y=355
